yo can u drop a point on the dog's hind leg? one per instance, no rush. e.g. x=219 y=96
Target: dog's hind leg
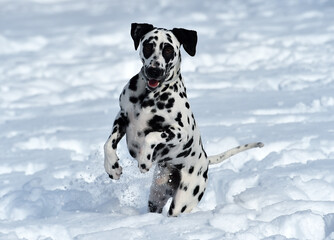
x=165 y=181
x=190 y=191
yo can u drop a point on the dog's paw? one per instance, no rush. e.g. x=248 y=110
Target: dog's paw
x=145 y=160
x=145 y=167
x=113 y=169
x=115 y=173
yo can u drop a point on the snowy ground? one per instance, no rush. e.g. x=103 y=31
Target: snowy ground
x=263 y=72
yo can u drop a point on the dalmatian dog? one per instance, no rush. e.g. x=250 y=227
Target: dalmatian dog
x=159 y=126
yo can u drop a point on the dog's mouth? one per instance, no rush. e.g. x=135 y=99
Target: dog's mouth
x=154 y=77
x=153 y=83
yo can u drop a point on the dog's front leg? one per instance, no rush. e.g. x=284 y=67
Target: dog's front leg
x=146 y=152
x=110 y=157
x=157 y=140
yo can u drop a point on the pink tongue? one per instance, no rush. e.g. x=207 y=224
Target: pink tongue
x=153 y=83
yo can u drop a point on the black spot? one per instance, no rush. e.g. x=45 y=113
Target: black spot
x=169 y=38
x=184 y=153
x=171 y=135
x=143 y=166
x=164 y=96
x=147 y=103
x=157 y=149
x=133 y=99
x=178 y=119
x=122 y=122
x=187 y=105
x=200 y=196
x=160 y=105
x=132 y=153
x=116 y=165
x=205 y=174
x=179 y=166
x=170 y=103
x=172 y=205
x=184 y=208
x=114 y=130
x=196 y=190
x=171 y=208
x=166 y=159
x=165 y=88
x=175 y=88
x=191 y=169
x=149 y=156
x=170 y=212
x=114 y=144
x=164 y=152
x=188 y=144
x=133 y=83
x=155 y=123
x=170 y=78
x=159 y=146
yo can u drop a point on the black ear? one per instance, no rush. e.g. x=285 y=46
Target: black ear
x=188 y=38
x=138 y=30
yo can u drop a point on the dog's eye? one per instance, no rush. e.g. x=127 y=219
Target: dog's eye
x=168 y=51
x=147 y=50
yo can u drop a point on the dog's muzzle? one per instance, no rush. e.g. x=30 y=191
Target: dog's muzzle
x=154 y=76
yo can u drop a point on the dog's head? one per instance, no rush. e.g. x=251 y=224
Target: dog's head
x=160 y=51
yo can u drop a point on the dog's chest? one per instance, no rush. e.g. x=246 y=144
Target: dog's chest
x=156 y=111
x=150 y=111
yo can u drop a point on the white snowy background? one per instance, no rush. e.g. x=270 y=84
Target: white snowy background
x=264 y=71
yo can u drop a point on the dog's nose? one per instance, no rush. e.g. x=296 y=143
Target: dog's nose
x=154 y=72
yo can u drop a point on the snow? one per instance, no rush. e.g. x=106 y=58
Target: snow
x=263 y=72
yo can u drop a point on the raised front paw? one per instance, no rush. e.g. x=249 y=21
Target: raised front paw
x=114 y=170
